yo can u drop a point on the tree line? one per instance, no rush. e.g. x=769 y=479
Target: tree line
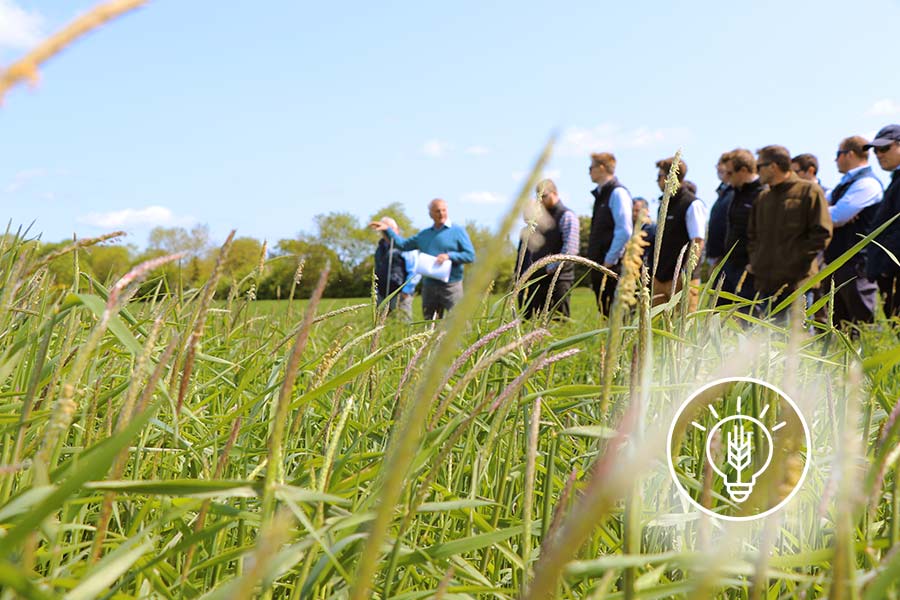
x=339 y=238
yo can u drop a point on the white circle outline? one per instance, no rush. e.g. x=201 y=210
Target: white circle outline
x=690 y=399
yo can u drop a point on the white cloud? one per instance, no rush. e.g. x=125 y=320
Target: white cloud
x=483 y=198
x=884 y=108
x=579 y=141
x=434 y=148
x=477 y=150
x=149 y=216
x=22 y=178
x=19 y=29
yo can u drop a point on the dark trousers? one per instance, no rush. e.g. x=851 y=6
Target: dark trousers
x=772 y=299
x=536 y=296
x=854 y=296
x=889 y=287
x=605 y=288
x=439 y=297
x=733 y=274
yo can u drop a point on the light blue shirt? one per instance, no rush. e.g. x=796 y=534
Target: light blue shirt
x=620 y=207
x=862 y=193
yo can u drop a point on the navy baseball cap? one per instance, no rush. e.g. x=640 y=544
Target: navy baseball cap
x=888 y=135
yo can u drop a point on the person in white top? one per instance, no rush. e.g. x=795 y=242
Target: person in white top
x=852 y=205
x=683 y=224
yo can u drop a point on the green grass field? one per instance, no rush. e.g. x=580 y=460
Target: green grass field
x=179 y=447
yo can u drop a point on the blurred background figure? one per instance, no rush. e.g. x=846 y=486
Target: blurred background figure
x=718 y=214
x=685 y=224
x=806 y=166
x=558 y=232
x=744 y=180
x=649 y=228
x=879 y=266
x=395 y=270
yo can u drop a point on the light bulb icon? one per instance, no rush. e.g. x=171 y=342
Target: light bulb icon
x=741 y=451
x=734 y=453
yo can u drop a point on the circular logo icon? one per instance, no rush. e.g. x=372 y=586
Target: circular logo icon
x=738 y=448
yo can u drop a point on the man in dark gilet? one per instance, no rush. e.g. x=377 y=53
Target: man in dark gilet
x=557 y=233
x=611 y=226
x=879 y=266
x=685 y=222
x=853 y=204
x=718 y=214
x=741 y=171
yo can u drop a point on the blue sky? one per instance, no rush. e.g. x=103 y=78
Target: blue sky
x=258 y=116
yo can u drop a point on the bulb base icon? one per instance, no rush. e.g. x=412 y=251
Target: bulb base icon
x=737 y=491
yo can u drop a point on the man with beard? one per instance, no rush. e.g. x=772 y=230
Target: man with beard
x=788 y=227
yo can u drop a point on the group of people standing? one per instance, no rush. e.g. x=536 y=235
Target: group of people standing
x=772 y=226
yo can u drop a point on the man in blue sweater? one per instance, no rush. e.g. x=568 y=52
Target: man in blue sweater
x=444 y=241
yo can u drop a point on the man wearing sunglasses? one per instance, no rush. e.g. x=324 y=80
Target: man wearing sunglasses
x=853 y=204
x=788 y=227
x=879 y=266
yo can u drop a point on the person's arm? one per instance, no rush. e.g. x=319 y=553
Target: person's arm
x=818 y=233
x=571 y=236
x=465 y=252
x=400 y=243
x=620 y=206
x=863 y=193
x=696 y=223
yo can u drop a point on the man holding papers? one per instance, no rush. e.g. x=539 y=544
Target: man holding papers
x=444 y=242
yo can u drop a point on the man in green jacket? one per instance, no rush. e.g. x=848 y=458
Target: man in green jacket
x=788 y=227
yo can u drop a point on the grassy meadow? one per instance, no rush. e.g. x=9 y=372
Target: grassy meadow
x=186 y=446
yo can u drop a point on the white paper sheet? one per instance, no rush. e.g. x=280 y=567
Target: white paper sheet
x=426 y=266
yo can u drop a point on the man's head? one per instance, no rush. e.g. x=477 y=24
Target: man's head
x=806 y=166
x=852 y=154
x=603 y=167
x=391 y=223
x=773 y=163
x=437 y=210
x=547 y=194
x=663 y=167
x=887 y=147
x=722 y=169
x=741 y=167
x=637 y=205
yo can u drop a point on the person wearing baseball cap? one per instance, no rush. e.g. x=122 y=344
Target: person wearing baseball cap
x=879 y=266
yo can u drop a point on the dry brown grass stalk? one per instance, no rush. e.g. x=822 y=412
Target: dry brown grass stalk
x=26 y=69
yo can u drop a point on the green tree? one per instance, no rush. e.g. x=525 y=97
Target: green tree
x=177 y=239
x=109 y=262
x=345 y=236
x=314 y=254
